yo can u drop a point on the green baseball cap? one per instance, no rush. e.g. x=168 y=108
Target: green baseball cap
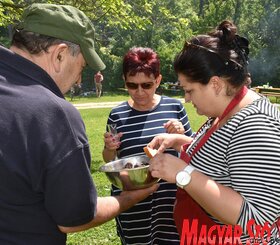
x=63 y=22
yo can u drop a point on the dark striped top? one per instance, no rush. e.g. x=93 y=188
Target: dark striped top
x=150 y=221
x=245 y=155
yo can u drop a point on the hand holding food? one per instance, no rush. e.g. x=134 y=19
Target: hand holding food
x=163 y=141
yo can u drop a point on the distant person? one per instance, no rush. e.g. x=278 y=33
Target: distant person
x=75 y=90
x=98 y=80
x=46 y=188
x=145 y=115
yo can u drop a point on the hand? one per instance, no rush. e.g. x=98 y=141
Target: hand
x=112 y=142
x=174 y=126
x=163 y=141
x=166 y=166
x=130 y=198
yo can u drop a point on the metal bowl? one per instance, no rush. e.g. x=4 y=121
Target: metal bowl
x=129 y=178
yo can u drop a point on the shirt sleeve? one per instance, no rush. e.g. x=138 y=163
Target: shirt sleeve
x=70 y=195
x=253 y=158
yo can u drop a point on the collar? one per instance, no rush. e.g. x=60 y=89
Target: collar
x=29 y=69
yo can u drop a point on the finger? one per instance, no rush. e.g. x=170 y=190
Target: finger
x=178 y=129
x=166 y=125
x=155 y=174
x=106 y=135
x=111 y=143
x=172 y=130
x=141 y=193
x=154 y=143
x=181 y=128
x=162 y=148
x=108 y=139
x=169 y=127
x=158 y=142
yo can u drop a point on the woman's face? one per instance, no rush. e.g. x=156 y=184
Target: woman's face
x=141 y=89
x=201 y=96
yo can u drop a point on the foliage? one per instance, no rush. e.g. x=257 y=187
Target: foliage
x=265 y=65
x=9 y=11
x=164 y=26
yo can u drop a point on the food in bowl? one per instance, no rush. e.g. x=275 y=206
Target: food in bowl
x=129 y=173
x=137 y=165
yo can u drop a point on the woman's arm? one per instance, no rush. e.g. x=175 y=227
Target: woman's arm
x=253 y=164
x=221 y=202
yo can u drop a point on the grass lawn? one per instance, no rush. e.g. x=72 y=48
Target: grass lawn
x=95 y=121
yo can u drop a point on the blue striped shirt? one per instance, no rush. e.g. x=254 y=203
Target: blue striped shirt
x=150 y=221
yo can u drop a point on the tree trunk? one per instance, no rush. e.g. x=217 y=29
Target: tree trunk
x=237 y=12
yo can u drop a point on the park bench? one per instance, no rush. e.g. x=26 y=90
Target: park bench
x=269 y=92
x=272 y=94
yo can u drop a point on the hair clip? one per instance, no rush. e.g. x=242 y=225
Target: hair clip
x=192 y=45
x=227 y=62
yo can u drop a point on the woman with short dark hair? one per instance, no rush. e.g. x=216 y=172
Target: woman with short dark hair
x=138 y=120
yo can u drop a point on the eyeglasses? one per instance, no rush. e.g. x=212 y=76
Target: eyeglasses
x=135 y=86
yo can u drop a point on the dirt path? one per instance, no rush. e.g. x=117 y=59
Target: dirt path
x=96 y=105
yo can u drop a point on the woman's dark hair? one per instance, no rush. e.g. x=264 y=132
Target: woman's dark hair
x=139 y=59
x=219 y=53
x=35 y=43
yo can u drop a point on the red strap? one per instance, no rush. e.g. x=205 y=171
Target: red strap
x=185 y=207
x=238 y=97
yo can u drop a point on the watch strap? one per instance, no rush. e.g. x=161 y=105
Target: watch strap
x=189 y=169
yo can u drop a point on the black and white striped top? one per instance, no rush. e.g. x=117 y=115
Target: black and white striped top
x=150 y=221
x=244 y=154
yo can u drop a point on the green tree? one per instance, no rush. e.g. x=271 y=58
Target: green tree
x=165 y=25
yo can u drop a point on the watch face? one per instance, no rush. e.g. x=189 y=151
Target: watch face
x=183 y=178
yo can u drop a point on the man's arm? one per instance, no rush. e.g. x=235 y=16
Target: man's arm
x=109 y=207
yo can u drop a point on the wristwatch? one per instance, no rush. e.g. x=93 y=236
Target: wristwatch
x=183 y=178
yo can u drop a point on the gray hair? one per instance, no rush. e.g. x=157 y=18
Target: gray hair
x=35 y=43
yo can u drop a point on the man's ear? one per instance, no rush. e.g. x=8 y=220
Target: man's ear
x=217 y=84
x=58 y=56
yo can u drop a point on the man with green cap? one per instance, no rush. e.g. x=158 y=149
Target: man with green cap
x=46 y=189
